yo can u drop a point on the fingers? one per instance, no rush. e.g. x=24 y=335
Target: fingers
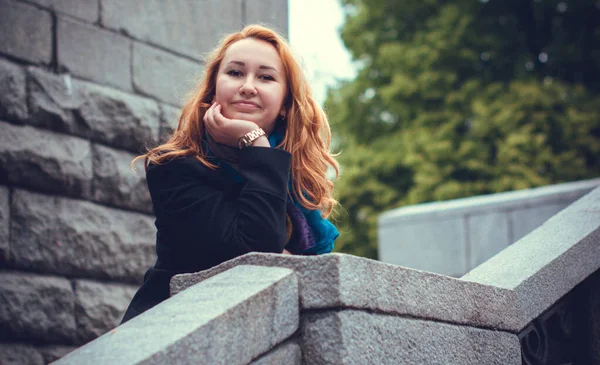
x=213 y=115
x=209 y=120
x=217 y=116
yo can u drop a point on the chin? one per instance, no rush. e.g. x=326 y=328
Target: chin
x=251 y=117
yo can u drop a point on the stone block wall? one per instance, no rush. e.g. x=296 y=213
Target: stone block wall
x=85 y=85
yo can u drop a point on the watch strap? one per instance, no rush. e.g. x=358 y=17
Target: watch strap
x=247 y=139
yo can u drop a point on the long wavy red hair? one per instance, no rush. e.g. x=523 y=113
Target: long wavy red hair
x=307 y=135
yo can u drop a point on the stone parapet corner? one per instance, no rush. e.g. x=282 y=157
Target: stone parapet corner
x=232 y=318
x=340 y=281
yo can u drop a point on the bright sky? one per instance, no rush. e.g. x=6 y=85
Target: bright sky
x=314 y=36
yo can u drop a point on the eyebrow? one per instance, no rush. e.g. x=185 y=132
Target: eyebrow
x=262 y=67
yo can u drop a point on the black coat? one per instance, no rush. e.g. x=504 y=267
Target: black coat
x=204 y=217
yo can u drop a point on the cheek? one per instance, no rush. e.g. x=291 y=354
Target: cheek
x=223 y=91
x=275 y=97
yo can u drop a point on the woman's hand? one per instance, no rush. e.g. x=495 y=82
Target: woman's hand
x=228 y=131
x=286 y=252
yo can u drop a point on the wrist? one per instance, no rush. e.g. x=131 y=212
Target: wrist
x=261 y=142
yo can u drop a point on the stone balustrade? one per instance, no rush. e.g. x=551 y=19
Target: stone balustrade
x=351 y=310
x=455 y=236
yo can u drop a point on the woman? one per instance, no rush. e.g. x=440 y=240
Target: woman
x=244 y=171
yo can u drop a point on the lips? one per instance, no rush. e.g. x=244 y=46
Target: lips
x=246 y=104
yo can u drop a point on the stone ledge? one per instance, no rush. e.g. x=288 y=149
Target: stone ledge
x=228 y=319
x=358 y=337
x=79 y=238
x=484 y=203
x=288 y=353
x=546 y=264
x=345 y=281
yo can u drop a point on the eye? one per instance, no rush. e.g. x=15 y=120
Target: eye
x=234 y=73
x=267 y=77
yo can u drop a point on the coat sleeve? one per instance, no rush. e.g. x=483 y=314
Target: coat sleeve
x=195 y=217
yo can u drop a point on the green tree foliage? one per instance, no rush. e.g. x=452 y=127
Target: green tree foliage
x=456 y=98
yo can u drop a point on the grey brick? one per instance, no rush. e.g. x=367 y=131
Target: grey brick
x=79 y=238
x=99 y=307
x=169 y=119
x=94 y=54
x=37 y=308
x=52 y=102
x=230 y=319
x=162 y=75
x=4 y=224
x=85 y=109
x=54 y=352
x=115 y=183
x=188 y=27
x=273 y=13
x=358 y=337
x=86 y=10
x=25 y=32
x=117 y=118
x=19 y=354
x=13 y=96
x=45 y=161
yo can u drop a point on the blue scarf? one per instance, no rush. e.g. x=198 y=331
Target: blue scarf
x=321 y=232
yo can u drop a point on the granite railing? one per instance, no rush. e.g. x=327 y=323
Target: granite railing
x=455 y=236
x=528 y=305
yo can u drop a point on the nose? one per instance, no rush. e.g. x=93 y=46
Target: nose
x=248 y=87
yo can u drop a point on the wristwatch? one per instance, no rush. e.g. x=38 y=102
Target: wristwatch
x=250 y=137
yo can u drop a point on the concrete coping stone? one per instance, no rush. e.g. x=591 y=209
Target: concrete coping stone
x=346 y=281
x=231 y=318
x=550 y=261
x=506 y=200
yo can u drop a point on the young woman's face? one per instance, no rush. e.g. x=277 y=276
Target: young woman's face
x=251 y=83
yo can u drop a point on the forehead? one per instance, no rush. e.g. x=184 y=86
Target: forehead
x=253 y=52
